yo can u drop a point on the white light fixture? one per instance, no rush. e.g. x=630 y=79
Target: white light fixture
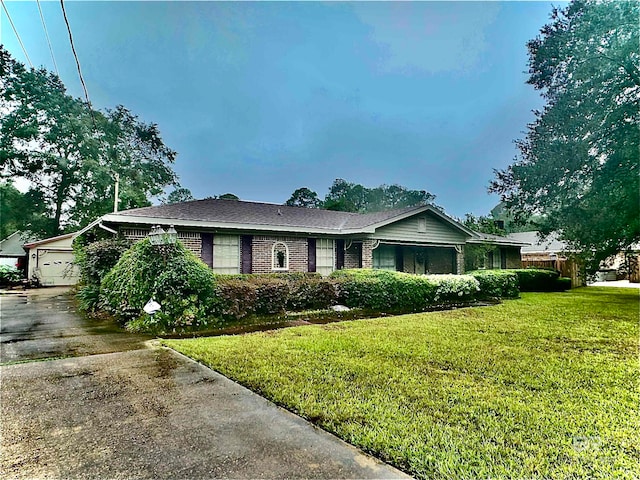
x=157 y=235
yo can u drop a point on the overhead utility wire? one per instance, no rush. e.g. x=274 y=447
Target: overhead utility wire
x=16 y=32
x=75 y=55
x=46 y=33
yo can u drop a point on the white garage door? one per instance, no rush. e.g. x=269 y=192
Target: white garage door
x=56 y=268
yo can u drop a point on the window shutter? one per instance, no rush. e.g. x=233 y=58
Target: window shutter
x=339 y=254
x=311 y=244
x=206 y=253
x=247 y=254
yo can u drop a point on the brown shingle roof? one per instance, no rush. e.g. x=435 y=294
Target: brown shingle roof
x=264 y=214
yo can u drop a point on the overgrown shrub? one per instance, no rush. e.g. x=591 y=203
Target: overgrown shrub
x=537 y=279
x=396 y=291
x=94 y=261
x=311 y=293
x=562 y=284
x=271 y=295
x=497 y=283
x=180 y=282
x=10 y=275
x=234 y=298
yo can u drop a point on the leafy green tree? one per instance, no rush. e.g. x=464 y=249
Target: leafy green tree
x=484 y=224
x=180 y=194
x=353 y=197
x=304 y=197
x=71 y=154
x=24 y=212
x=578 y=164
x=228 y=196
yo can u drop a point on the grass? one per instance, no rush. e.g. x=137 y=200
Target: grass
x=543 y=386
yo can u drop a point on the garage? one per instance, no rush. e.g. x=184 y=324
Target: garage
x=51 y=261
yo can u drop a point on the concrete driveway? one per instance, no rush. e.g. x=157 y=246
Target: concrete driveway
x=114 y=405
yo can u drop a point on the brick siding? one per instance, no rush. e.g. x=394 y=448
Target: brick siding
x=263 y=249
x=191 y=240
x=352 y=256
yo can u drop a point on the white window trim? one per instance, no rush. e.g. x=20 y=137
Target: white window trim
x=217 y=268
x=422 y=224
x=331 y=247
x=274 y=259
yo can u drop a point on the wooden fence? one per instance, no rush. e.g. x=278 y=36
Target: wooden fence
x=567 y=268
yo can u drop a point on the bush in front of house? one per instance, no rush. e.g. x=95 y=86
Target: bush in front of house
x=539 y=280
x=496 y=283
x=10 y=276
x=311 y=293
x=239 y=296
x=94 y=261
x=402 y=292
x=171 y=275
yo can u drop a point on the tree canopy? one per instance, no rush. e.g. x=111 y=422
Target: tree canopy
x=352 y=197
x=577 y=169
x=70 y=154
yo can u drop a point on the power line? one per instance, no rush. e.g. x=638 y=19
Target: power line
x=46 y=33
x=75 y=55
x=16 y=32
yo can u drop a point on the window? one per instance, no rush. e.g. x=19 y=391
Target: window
x=226 y=254
x=384 y=257
x=325 y=256
x=280 y=256
x=422 y=224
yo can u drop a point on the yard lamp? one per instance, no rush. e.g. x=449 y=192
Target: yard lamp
x=170 y=237
x=159 y=237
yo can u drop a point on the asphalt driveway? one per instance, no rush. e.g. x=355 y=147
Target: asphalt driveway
x=91 y=401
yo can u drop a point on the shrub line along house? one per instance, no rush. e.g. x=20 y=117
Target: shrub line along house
x=233 y=236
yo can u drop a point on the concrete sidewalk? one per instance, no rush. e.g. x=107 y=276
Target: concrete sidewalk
x=616 y=283
x=146 y=413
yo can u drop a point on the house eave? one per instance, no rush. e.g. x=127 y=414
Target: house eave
x=139 y=220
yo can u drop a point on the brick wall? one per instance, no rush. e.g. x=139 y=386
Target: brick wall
x=367 y=253
x=263 y=248
x=460 y=262
x=352 y=256
x=191 y=240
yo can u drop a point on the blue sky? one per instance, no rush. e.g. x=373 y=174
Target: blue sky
x=259 y=99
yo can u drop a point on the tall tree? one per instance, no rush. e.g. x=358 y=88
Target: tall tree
x=578 y=164
x=304 y=197
x=178 y=195
x=22 y=211
x=70 y=154
x=353 y=197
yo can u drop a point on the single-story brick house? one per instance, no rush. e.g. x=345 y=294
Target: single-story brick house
x=233 y=236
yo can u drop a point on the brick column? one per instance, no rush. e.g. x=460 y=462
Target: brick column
x=460 y=260
x=367 y=253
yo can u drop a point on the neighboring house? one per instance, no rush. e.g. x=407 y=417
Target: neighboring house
x=50 y=261
x=248 y=237
x=11 y=251
x=550 y=252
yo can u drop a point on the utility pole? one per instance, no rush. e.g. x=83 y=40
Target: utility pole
x=116 y=200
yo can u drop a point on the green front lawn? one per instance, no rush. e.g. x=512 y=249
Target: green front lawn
x=543 y=386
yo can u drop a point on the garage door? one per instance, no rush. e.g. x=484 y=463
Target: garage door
x=56 y=268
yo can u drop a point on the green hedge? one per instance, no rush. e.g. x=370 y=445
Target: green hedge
x=540 y=280
x=508 y=283
x=396 y=291
x=496 y=283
